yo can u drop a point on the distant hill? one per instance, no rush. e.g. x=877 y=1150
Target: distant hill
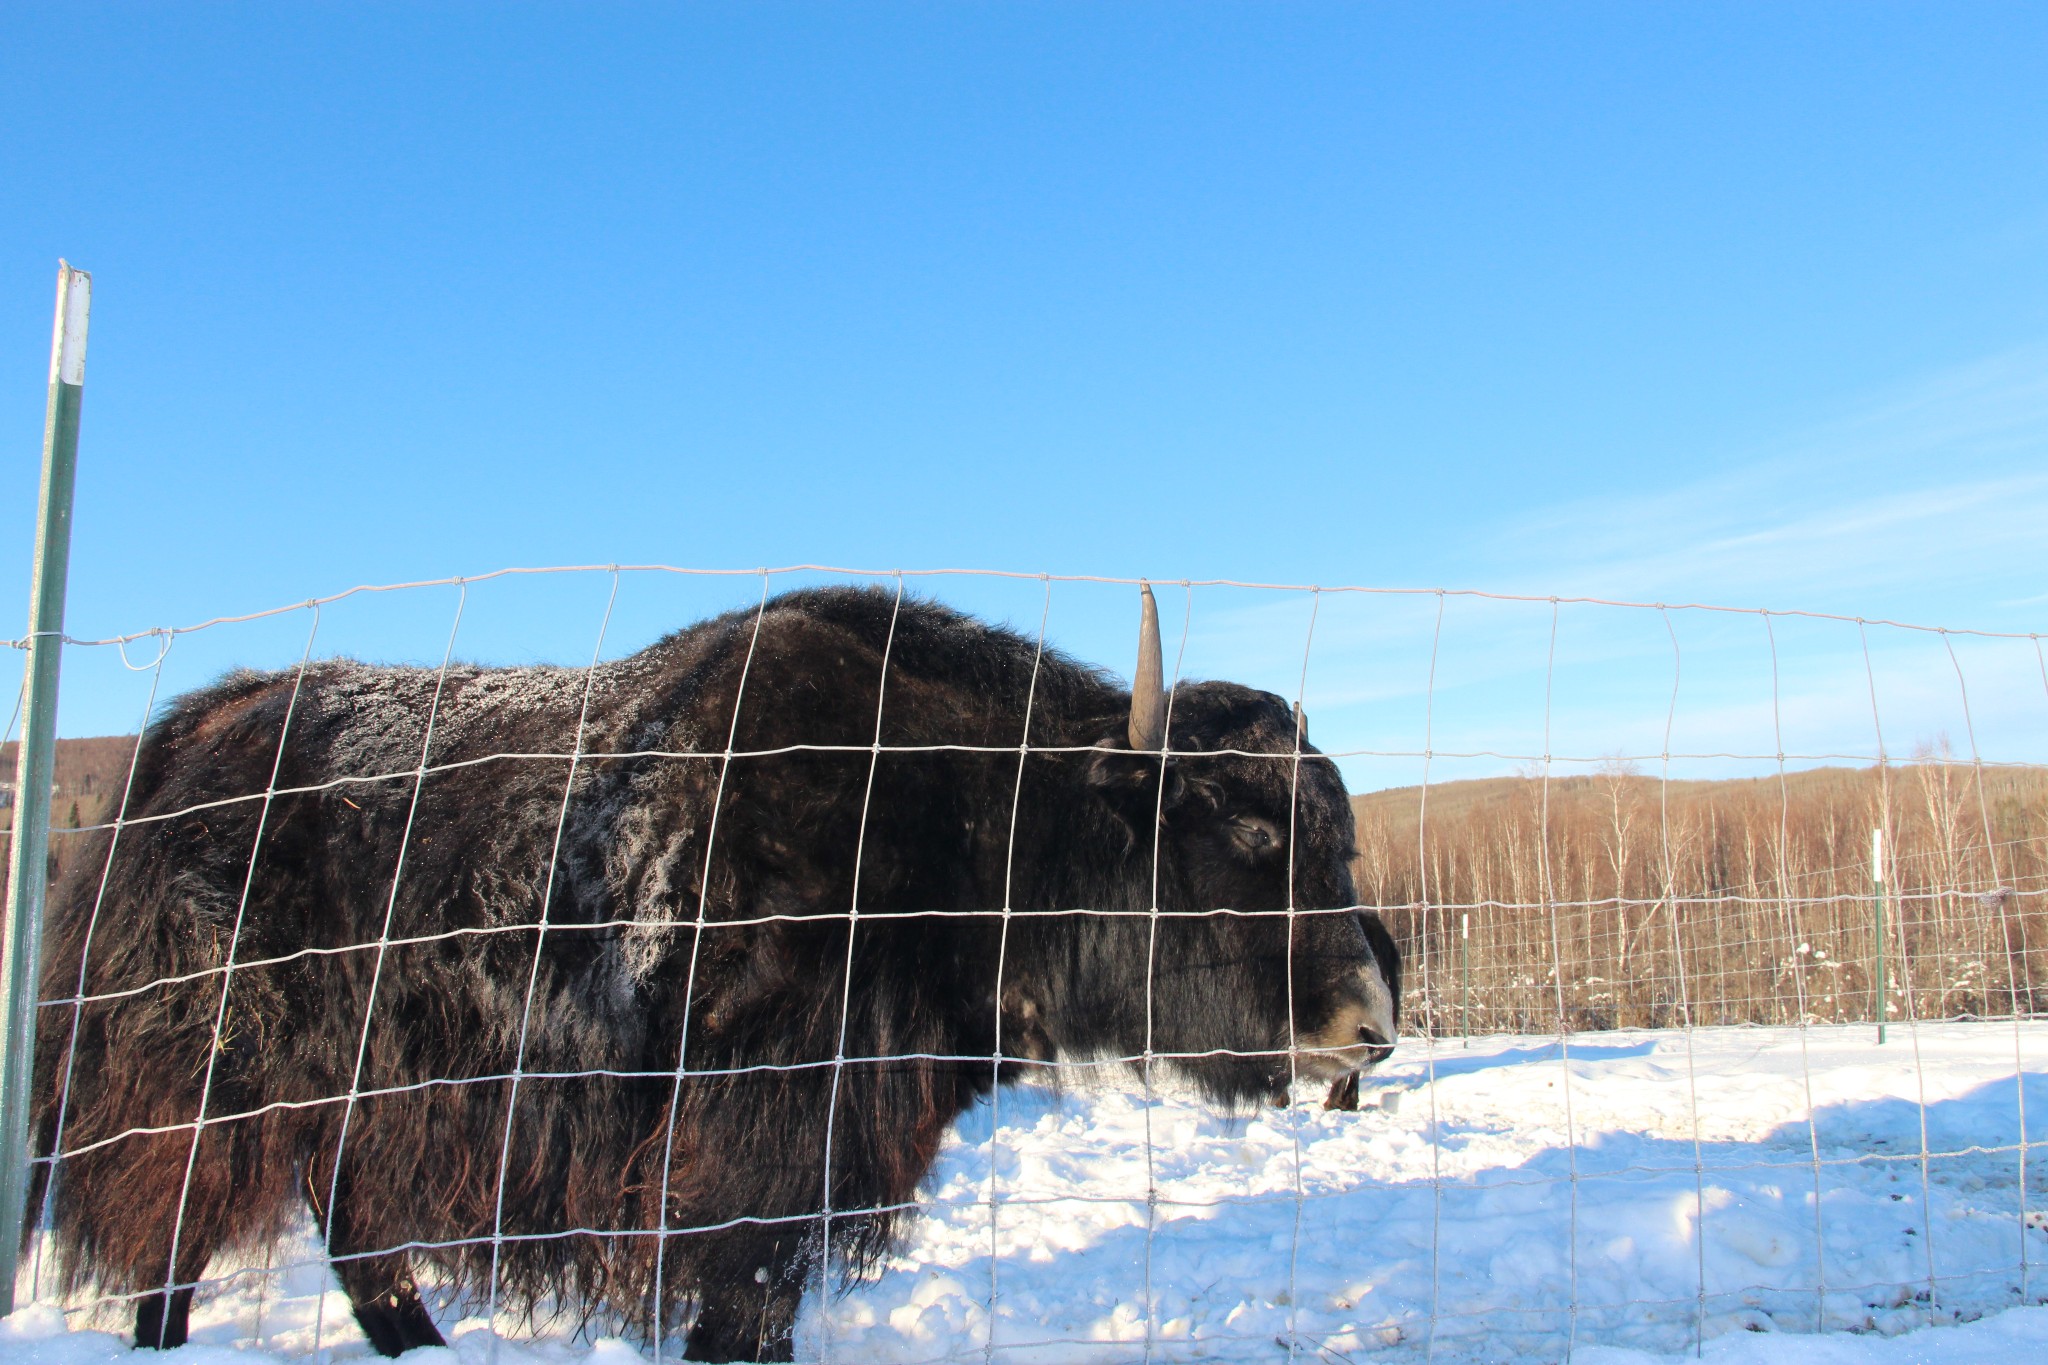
x=1615 y=899
x=90 y=774
x=1569 y=793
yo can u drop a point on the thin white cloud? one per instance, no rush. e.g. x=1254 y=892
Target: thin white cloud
x=1930 y=498
x=1924 y=505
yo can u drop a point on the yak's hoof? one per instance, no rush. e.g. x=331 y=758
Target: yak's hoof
x=398 y=1323
x=162 y=1325
x=715 y=1342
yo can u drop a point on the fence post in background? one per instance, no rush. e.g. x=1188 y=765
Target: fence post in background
x=1877 y=927
x=1465 y=970
x=28 y=865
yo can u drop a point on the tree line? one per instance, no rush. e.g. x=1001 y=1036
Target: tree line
x=1616 y=900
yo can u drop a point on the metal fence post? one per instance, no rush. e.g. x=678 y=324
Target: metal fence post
x=1877 y=908
x=1465 y=971
x=28 y=865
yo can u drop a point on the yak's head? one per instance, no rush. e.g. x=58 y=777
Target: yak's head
x=1259 y=970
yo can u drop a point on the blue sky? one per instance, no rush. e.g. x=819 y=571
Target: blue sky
x=1721 y=303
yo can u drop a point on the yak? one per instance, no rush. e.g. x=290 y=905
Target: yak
x=652 y=988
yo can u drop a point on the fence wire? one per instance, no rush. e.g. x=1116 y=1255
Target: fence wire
x=1637 y=1028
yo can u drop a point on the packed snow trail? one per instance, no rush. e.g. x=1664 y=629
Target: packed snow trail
x=1465 y=1248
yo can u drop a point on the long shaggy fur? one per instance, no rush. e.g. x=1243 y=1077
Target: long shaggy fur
x=615 y=986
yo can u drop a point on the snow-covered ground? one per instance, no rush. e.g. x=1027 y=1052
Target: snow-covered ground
x=1610 y=1202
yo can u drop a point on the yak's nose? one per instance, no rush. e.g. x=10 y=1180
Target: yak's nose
x=1378 y=1046
x=1378 y=1029
x=1359 y=1032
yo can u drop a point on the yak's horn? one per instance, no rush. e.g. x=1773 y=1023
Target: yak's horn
x=1148 y=688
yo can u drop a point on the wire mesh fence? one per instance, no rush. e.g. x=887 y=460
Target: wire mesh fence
x=849 y=978
x=1739 y=938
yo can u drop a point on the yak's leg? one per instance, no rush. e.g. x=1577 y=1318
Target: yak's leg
x=171 y=1199
x=748 y=1292
x=387 y=1303
x=162 y=1320
x=381 y=1290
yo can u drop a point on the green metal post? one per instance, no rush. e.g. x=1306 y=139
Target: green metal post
x=1877 y=903
x=28 y=861
x=1465 y=970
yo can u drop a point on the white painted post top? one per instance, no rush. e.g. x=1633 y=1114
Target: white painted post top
x=1877 y=856
x=74 y=304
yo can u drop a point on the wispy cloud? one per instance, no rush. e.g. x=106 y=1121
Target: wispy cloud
x=1926 y=505
x=1926 y=502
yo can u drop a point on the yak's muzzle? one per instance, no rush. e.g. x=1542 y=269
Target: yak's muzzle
x=1359 y=1033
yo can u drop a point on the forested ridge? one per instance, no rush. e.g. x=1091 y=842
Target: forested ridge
x=1619 y=900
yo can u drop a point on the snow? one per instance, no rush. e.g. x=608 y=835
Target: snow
x=1542 y=1199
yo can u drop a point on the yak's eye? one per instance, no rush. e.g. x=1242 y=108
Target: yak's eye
x=1253 y=835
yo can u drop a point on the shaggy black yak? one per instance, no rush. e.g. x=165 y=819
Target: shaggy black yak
x=656 y=993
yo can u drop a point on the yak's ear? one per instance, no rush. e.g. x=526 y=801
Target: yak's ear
x=1111 y=767
x=1129 y=782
